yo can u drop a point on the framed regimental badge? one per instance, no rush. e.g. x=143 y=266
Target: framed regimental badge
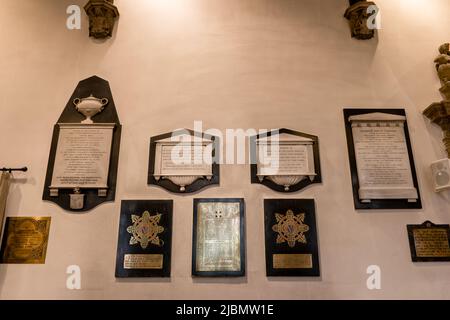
x=145 y=239
x=25 y=240
x=381 y=159
x=84 y=155
x=285 y=160
x=291 y=238
x=184 y=161
x=429 y=242
x=218 y=248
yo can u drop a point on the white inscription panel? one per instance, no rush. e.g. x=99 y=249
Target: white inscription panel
x=82 y=156
x=183 y=159
x=382 y=159
x=285 y=158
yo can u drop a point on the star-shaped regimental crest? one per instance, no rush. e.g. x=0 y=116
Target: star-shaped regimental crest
x=145 y=230
x=290 y=228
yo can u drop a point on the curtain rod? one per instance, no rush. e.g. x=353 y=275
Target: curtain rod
x=24 y=169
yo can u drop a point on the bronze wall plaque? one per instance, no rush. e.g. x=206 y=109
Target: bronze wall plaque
x=143 y=261
x=292 y=261
x=429 y=242
x=25 y=240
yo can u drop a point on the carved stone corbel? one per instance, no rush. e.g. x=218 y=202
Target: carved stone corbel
x=102 y=15
x=357 y=15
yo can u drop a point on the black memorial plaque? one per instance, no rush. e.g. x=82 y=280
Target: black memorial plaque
x=145 y=239
x=96 y=87
x=291 y=238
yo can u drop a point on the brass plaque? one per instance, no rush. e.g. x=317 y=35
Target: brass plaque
x=25 y=240
x=292 y=261
x=431 y=242
x=143 y=261
x=218 y=243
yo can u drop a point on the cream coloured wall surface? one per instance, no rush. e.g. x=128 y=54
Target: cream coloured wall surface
x=231 y=64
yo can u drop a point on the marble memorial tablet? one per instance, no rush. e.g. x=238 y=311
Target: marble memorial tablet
x=183 y=161
x=83 y=156
x=285 y=160
x=381 y=159
x=218 y=243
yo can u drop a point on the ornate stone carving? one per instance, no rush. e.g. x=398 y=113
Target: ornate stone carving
x=439 y=112
x=102 y=15
x=358 y=14
x=443 y=69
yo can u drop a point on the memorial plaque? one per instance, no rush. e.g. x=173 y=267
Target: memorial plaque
x=184 y=161
x=429 y=242
x=381 y=161
x=218 y=238
x=145 y=239
x=291 y=238
x=25 y=240
x=285 y=160
x=84 y=155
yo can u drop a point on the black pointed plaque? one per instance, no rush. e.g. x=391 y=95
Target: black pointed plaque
x=77 y=163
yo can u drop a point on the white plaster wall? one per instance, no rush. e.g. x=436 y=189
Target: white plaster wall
x=232 y=64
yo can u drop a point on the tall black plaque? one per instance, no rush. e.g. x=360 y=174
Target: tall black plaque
x=95 y=87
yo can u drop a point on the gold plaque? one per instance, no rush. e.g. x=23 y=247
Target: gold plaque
x=143 y=261
x=218 y=236
x=431 y=242
x=25 y=240
x=291 y=228
x=145 y=230
x=292 y=261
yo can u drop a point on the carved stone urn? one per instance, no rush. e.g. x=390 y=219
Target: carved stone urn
x=358 y=17
x=102 y=15
x=89 y=107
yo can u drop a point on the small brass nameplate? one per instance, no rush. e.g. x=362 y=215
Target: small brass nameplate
x=292 y=261
x=431 y=242
x=143 y=261
x=25 y=240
